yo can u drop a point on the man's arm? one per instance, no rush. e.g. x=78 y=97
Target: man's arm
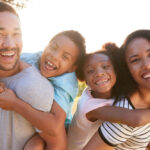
x=136 y=117
x=47 y=122
x=96 y=143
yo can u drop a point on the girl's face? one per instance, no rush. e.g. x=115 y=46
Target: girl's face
x=138 y=61
x=100 y=75
x=59 y=57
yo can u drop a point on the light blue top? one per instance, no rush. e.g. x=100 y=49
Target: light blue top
x=65 y=86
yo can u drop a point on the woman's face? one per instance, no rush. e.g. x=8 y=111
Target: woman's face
x=138 y=61
x=99 y=75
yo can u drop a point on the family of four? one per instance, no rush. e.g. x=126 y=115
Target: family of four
x=37 y=92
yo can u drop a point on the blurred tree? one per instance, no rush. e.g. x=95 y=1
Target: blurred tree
x=16 y=3
x=82 y=86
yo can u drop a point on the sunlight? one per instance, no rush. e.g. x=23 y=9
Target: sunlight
x=99 y=21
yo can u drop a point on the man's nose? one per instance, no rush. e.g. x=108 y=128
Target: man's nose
x=8 y=42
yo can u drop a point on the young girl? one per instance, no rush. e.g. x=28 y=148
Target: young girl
x=98 y=72
x=58 y=62
x=101 y=73
x=135 y=54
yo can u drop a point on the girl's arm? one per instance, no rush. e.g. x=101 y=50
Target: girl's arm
x=2 y=87
x=134 y=118
x=35 y=143
x=45 y=121
x=43 y=140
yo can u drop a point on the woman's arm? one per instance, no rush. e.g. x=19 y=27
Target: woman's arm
x=134 y=118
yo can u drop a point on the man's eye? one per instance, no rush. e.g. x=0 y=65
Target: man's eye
x=16 y=34
x=2 y=35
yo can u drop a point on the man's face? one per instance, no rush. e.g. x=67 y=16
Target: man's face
x=10 y=41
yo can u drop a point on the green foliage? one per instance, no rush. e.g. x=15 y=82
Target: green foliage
x=16 y=3
x=82 y=86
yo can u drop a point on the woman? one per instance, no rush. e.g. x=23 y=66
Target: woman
x=135 y=57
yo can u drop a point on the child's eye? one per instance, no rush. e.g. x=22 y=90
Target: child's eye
x=149 y=55
x=106 y=66
x=65 y=57
x=53 y=48
x=90 y=71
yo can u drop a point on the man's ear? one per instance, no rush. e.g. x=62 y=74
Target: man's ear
x=73 y=68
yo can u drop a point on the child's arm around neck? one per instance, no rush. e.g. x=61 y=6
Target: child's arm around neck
x=134 y=118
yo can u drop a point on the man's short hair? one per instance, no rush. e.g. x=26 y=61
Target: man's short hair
x=8 y=8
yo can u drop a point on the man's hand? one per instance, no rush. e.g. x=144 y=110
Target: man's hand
x=7 y=99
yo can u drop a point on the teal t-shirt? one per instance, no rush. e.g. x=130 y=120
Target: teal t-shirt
x=65 y=86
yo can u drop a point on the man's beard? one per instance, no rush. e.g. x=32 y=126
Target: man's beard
x=3 y=68
x=9 y=69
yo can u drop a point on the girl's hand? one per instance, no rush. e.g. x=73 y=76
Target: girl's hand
x=2 y=87
x=7 y=99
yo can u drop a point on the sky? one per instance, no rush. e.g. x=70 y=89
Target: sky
x=99 y=21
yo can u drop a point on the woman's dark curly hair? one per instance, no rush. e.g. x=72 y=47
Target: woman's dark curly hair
x=112 y=51
x=129 y=85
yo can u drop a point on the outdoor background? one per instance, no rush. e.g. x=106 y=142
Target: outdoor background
x=99 y=21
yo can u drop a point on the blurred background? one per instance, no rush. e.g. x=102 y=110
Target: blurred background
x=99 y=21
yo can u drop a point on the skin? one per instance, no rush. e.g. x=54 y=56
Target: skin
x=137 y=58
x=138 y=61
x=61 y=53
x=99 y=75
x=10 y=49
x=10 y=44
x=59 y=57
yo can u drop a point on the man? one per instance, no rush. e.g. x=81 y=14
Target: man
x=26 y=82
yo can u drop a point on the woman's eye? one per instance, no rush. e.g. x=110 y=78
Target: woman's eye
x=134 y=60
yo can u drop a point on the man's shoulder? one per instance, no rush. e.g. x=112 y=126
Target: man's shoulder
x=23 y=65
